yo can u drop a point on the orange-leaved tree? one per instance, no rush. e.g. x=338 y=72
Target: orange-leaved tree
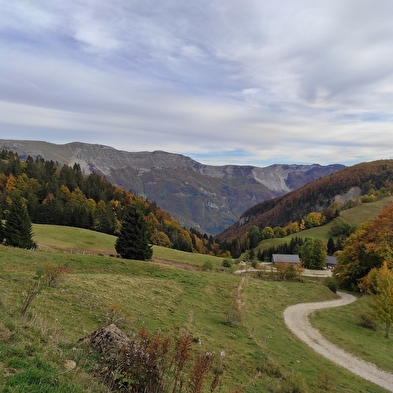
x=368 y=247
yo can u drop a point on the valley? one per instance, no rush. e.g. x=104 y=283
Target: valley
x=205 y=197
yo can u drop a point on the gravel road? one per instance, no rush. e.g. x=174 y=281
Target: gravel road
x=296 y=318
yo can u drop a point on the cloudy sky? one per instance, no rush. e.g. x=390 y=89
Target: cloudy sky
x=223 y=81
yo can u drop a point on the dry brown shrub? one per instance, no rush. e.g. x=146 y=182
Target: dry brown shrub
x=157 y=364
x=53 y=275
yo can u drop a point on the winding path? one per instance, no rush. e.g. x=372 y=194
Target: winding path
x=296 y=318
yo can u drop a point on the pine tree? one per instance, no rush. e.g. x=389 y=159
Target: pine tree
x=133 y=241
x=18 y=231
x=331 y=247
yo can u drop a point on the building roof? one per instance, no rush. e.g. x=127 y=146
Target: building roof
x=285 y=258
x=331 y=261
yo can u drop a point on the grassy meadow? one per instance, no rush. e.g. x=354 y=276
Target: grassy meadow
x=101 y=288
x=355 y=216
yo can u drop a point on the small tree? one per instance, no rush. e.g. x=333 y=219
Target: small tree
x=267 y=233
x=18 y=231
x=313 y=253
x=133 y=241
x=340 y=226
x=254 y=236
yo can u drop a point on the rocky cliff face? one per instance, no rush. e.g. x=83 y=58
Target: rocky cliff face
x=206 y=197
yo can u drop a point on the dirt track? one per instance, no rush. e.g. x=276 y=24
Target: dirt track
x=296 y=318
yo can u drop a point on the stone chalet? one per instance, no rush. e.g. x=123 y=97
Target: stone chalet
x=285 y=258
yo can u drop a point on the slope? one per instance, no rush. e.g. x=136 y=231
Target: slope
x=98 y=289
x=341 y=186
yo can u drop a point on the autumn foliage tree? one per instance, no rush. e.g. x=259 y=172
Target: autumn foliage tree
x=379 y=282
x=367 y=248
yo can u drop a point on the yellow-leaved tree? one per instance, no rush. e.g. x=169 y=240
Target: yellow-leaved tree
x=379 y=282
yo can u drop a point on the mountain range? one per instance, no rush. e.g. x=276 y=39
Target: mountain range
x=205 y=197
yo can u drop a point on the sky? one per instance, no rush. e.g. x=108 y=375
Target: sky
x=251 y=82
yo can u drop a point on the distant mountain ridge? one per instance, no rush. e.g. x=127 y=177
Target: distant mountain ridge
x=206 y=197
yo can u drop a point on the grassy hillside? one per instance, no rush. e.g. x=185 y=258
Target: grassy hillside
x=356 y=215
x=34 y=348
x=82 y=241
x=70 y=239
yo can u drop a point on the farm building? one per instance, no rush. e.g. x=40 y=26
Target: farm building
x=331 y=262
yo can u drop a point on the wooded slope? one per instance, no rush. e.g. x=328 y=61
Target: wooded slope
x=315 y=196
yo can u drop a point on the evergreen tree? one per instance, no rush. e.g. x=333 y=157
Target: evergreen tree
x=254 y=236
x=331 y=247
x=18 y=231
x=133 y=241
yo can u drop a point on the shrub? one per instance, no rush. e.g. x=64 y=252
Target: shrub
x=331 y=283
x=326 y=381
x=52 y=275
x=156 y=363
x=294 y=383
x=207 y=265
x=368 y=321
x=227 y=263
x=271 y=368
x=29 y=295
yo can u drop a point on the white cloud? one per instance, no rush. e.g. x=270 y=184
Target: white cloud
x=261 y=81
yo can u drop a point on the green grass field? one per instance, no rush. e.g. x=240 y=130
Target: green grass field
x=69 y=239
x=33 y=348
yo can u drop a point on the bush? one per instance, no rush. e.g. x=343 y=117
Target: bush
x=29 y=295
x=156 y=363
x=52 y=275
x=227 y=263
x=255 y=263
x=368 y=321
x=207 y=265
x=331 y=283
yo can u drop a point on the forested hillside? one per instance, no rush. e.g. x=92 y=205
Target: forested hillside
x=325 y=196
x=62 y=195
